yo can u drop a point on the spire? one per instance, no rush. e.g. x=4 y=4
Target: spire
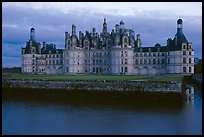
x=179 y=25
x=104 y=21
x=104 y=25
x=73 y=29
x=32 y=34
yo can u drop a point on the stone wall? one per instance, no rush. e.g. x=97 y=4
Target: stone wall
x=148 y=86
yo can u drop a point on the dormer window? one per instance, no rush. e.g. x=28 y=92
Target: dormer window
x=125 y=40
x=184 y=46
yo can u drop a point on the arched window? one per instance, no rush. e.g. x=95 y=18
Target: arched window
x=125 y=40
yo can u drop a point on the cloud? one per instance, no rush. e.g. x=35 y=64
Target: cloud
x=51 y=21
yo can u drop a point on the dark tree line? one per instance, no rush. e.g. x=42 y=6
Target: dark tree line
x=198 y=67
x=11 y=70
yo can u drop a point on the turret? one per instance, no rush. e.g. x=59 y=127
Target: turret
x=117 y=29
x=169 y=40
x=138 y=41
x=73 y=30
x=180 y=37
x=179 y=26
x=32 y=34
x=104 y=25
x=94 y=32
x=122 y=27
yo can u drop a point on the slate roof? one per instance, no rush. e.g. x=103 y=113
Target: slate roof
x=153 y=49
x=27 y=48
x=52 y=48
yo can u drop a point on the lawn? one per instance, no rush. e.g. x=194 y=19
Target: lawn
x=95 y=77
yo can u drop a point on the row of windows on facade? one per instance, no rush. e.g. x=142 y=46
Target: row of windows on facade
x=100 y=54
x=158 y=61
x=187 y=47
x=185 y=70
x=186 y=53
x=40 y=70
x=123 y=61
x=149 y=61
x=184 y=60
x=94 y=69
x=149 y=54
x=139 y=54
x=50 y=62
x=189 y=60
x=88 y=62
x=52 y=56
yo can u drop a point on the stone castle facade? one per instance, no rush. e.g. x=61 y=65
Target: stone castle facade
x=118 y=52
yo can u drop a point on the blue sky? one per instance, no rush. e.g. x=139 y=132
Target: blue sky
x=154 y=21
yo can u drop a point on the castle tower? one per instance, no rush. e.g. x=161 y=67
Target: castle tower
x=117 y=30
x=122 y=27
x=32 y=34
x=73 y=29
x=138 y=41
x=104 y=25
x=179 y=26
x=180 y=37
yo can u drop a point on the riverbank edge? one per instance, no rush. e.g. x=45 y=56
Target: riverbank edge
x=95 y=97
x=109 y=86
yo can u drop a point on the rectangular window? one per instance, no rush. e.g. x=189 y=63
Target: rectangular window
x=126 y=53
x=184 y=52
x=145 y=61
x=145 y=54
x=163 y=61
x=136 y=61
x=149 y=61
x=154 y=61
x=140 y=54
x=184 y=60
x=189 y=53
x=189 y=60
x=126 y=62
x=140 y=61
x=126 y=69
x=184 y=69
x=93 y=62
x=189 y=69
x=121 y=69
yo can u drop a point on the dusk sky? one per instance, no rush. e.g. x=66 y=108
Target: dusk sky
x=154 y=21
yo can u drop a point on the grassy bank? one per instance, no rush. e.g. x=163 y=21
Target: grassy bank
x=94 y=77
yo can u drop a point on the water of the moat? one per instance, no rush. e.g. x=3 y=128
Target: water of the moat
x=32 y=117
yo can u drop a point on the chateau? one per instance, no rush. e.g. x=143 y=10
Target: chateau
x=119 y=52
